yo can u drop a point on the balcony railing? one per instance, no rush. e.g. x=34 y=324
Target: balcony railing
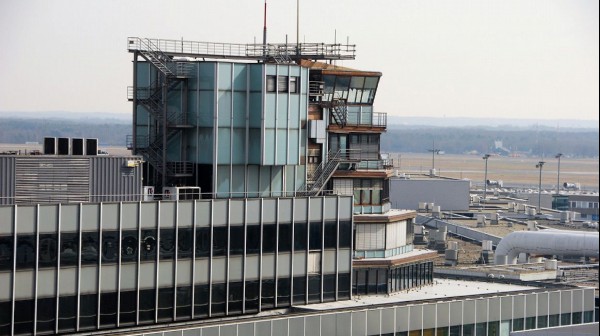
x=368 y=119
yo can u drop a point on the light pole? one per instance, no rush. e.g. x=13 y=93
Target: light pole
x=558 y=156
x=433 y=151
x=540 y=165
x=485 y=157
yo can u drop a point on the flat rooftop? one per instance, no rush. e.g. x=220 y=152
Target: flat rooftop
x=448 y=289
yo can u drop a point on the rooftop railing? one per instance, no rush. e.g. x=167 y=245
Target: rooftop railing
x=236 y=50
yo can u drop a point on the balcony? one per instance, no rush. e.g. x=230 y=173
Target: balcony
x=364 y=119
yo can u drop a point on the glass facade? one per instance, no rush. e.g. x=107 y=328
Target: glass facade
x=243 y=126
x=395 y=279
x=150 y=262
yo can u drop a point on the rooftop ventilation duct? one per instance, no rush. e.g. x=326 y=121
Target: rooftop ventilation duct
x=546 y=242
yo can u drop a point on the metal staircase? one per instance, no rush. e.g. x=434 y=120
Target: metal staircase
x=155 y=56
x=319 y=177
x=168 y=124
x=339 y=111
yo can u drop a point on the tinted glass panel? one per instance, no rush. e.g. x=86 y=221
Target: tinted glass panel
x=300 y=236
x=236 y=296
x=26 y=251
x=6 y=253
x=147 y=305
x=330 y=235
x=129 y=246
x=148 y=245
x=24 y=317
x=253 y=241
x=165 y=304
x=299 y=290
x=110 y=247
x=67 y=313
x=202 y=242
x=5 y=317
x=218 y=299
x=269 y=238
x=237 y=240
x=128 y=307
x=88 y=306
x=314 y=288
x=69 y=248
x=184 y=302
x=283 y=292
x=108 y=309
x=201 y=300
x=316 y=236
x=185 y=241
x=46 y=315
x=345 y=234
x=251 y=296
x=89 y=248
x=268 y=293
x=329 y=287
x=343 y=286
x=167 y=244
x=285 y=237
x=219 y=241
x=48 y=250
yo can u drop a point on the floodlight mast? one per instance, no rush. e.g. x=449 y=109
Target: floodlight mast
x=485 y=157
x=540 y=165
x=558 y=156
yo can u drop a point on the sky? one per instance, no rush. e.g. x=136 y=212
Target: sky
x=509 y=59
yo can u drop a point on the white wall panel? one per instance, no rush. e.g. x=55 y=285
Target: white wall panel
x=68 y=281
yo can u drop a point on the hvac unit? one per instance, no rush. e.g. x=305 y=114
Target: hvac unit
x=77 y=146
x=63 y=146
x=181 y=193
x=91 y=146
x=49 y=145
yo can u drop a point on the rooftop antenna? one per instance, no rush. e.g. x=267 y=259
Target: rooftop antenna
x=298 y=23
x=265 y=30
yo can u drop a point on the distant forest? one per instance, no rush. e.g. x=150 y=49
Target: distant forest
x=20 y=131
x=461 y=140
x=402 y=139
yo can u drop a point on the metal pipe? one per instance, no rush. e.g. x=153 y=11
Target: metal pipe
x=546 y=242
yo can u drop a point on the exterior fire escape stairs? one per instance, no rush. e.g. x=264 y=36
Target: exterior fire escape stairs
x=171 y=74
x=321 y=175
x=339 y=111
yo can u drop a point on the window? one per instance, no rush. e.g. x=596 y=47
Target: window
x=167 y=244
x=110 y=247
x=148 y=245
x=270 y=238
x=282 y=84
x=25 y=251
x=283 y=292
x=237 y=240
x=368 y=191
x=294 y=84
x=270 y=83
x=6 y=253
x=202 y=242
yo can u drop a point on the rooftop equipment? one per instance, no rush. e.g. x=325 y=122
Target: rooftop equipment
x=546 y=242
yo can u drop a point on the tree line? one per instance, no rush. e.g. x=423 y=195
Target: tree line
x=461 y=140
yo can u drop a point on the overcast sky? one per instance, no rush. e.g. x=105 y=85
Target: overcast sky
x=488 y=59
